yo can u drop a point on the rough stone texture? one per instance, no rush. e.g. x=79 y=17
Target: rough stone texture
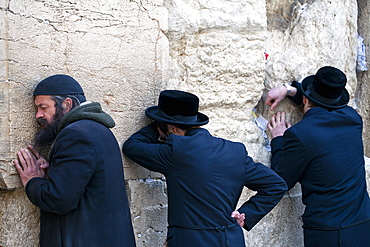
x=19 y=220
x=125 y=52
x=216 y=52
x=363 y=89
x=148 y=199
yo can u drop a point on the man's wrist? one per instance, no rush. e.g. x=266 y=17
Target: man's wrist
x=291 y=91
x=288 y=88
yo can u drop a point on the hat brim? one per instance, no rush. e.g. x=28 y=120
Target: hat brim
x=152 y=113
x=340 y=103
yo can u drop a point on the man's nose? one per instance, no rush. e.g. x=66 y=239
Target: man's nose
x=39 y=114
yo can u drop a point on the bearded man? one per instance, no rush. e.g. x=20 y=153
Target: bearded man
x=80 y=187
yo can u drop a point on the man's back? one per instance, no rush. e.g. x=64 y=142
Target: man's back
x=205 y=177
x=206 y=173
x=329 y=154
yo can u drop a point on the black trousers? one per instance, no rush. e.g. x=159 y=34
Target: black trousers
x=355 y=236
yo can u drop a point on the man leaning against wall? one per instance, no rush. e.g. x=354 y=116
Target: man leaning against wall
x=205 y=175
x=80 y=187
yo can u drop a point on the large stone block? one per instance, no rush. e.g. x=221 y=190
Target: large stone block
x=148 y=199
x=19 y=223
x=363 y=89
x=281 y=227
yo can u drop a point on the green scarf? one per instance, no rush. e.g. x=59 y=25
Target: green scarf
x=91 y=111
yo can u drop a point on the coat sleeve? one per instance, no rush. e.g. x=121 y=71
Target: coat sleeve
x=144 y=149
x=298 y=97
x=72 y=164
x=270 y=189
x=289 y=157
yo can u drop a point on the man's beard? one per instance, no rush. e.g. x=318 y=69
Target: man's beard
x=47 y=133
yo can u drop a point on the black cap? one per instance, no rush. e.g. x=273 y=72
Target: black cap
x=58 y=85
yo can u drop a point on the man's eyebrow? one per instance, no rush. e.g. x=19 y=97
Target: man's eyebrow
x=41 y=104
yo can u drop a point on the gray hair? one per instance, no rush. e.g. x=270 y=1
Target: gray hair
x=59 y=99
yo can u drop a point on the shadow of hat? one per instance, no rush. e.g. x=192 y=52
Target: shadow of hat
x=326 y=88
x=177 y=107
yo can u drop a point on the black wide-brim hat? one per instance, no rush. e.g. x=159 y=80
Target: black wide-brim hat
x=326 y=88
x=177 y=107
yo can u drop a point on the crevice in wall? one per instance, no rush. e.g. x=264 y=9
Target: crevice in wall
x=282 y=14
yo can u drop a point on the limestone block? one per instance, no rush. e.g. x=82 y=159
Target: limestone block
x=277 y=230
x=19 y=220
x=363 y=90
x=216 y=52
x=148 y=199
x=313 y=38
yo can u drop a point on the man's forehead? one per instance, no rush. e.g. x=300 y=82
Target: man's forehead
x=43 y=99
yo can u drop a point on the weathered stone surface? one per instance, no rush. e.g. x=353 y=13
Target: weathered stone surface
x=363 y=88
x=19 y=223
x=216 y=52
x=148 y=199
x=281 y=227
x=125 y=52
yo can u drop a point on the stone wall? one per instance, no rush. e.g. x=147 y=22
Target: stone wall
x=125 y=52
x=363 y=88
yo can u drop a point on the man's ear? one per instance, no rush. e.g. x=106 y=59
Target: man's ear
x=67 y=104
x=171 y=129
x=305 y=100
x=175 y=130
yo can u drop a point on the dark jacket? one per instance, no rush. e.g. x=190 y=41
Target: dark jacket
x=324 y=153
x=205 y=177
x=83 y=201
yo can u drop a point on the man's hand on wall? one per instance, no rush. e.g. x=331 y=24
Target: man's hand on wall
x=277 y=124
x=275 y=95
x=30 y=164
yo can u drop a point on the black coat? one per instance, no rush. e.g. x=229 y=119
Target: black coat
x=83 y=201
x=324 y=153
x=205 y=176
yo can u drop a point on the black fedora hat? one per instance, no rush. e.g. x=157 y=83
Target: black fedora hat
x=326 y=88
x=177 y=107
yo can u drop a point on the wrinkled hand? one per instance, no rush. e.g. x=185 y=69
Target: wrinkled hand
x=275 y=95
x=30 y=164
x=40 y=160
x=239 y=218
x=277 y=124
